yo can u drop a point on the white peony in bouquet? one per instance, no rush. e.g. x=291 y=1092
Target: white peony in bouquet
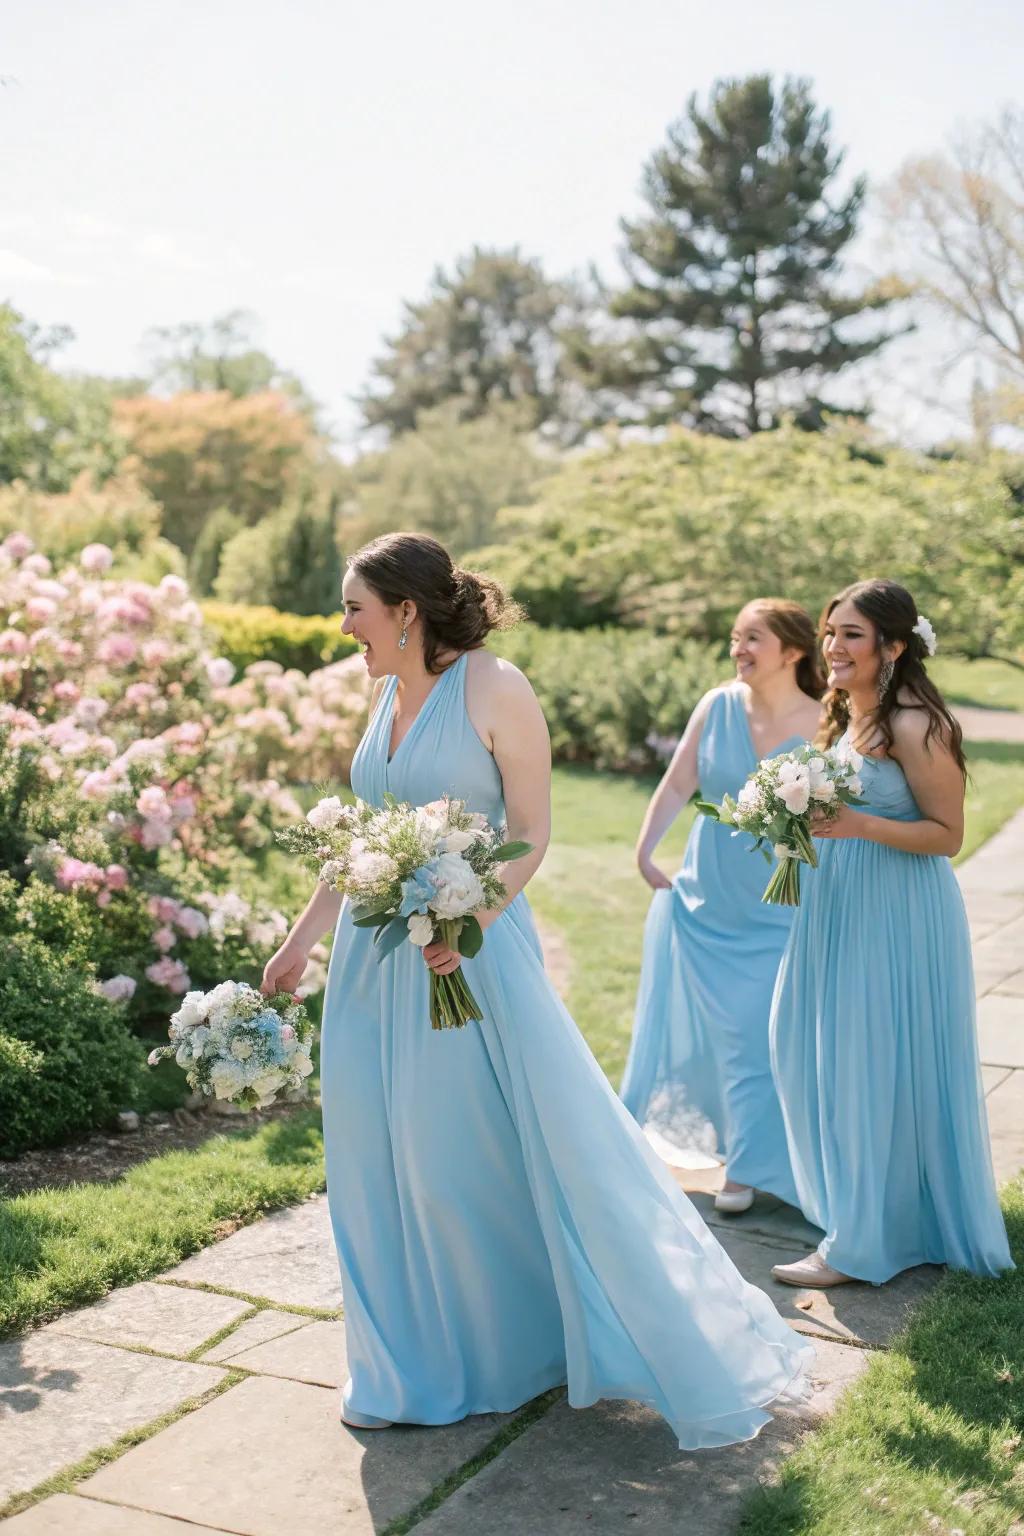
x=776 y=805
x=416 y=872
x=236 y=1044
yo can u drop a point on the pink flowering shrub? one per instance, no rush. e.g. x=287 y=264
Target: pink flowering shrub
x=141 y=781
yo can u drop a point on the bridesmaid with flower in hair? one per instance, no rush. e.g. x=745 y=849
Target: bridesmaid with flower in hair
x=873 y=1038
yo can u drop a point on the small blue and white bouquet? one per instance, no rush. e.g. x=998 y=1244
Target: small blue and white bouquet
x=236 y=1044
x=778 y=801
x=412 y=872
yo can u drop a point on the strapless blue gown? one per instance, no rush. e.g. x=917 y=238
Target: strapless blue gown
x=875 y=1054
x=502 y=1225
x=699 y=1072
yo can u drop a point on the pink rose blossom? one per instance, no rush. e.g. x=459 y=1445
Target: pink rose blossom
x=90 y=711
x=173 y=587
x=183 y=807
x=95 y=785
x=220 y=671
x=117 y=649
x=71 y=873
x=40 y=609
x=13 y=642
x=69 y=650
x=156 y=834
x=165 y=938
x=66 y=691
x=165 y=908
x=170 y=974
x=38 y=565
x=104 y=899
x=137 y=694
x=192 y=922
x=118 y=989
x=96 y=557
x=10 y=670
x=17 y=545
x=55 y=590
x=156 y=653
x=116 y=877
x=152 y=802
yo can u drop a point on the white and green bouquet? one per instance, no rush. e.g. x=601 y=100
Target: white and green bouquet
x=236 y=1044
x=412 y=872
x=778 y=801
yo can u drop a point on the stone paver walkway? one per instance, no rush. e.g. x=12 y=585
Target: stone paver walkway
x=243 y=1347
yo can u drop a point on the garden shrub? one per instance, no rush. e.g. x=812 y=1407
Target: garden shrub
x=613 y=698
x=67 y=1060
x=248 y=632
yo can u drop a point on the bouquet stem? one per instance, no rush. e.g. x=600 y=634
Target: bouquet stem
x=783 y=889
x=452 y=1003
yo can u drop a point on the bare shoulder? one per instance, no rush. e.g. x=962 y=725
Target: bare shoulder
x=910 y=732
x=498 y=679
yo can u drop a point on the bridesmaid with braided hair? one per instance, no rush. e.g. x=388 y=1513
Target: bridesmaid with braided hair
x=873 y=1038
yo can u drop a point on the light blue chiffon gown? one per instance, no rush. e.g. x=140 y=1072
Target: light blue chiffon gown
x=699 y=1072
x=875 y=1055
x=502 y=1225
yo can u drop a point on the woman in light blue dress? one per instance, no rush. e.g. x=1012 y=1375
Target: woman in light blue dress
x=502 y=1225
x=699 y=1076
x=873 y=1023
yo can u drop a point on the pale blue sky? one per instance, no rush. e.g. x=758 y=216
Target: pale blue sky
x=313 y=162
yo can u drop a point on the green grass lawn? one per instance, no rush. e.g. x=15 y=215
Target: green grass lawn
x=991 y=684
x=930 y=1438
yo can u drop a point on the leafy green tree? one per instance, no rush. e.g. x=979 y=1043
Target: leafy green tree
x=486 y=334
x=52 y=426
x=448 y=478
x=734 y=312
x=290 y=560
x=678 y=535
x=218 y=530
x=219 y=356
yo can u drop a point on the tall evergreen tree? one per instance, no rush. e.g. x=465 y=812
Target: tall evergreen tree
x=734 y=310
x=486 y=334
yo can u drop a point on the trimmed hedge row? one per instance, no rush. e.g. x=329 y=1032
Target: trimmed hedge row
x=247 y=633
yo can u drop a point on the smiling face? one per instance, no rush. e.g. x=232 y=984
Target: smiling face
x=851 y=649
x=375 y=624
x=756 y=650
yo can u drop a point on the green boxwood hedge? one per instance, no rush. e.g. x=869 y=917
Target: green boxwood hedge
x=246 y=633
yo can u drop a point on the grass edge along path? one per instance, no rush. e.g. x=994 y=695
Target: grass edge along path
x=931 y=1438
x=64 y=1248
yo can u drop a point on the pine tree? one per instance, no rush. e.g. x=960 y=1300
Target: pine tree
x=735 y=310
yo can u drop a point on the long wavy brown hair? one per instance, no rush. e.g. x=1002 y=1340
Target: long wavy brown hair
x=893 y=613
x=794 y=626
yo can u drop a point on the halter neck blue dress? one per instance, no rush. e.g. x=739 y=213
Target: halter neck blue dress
x=699 y=1073
x=875 y=1055
x=502 y=1225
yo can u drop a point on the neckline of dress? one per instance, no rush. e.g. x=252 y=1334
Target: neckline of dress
x=389 y=721
x=759 y=757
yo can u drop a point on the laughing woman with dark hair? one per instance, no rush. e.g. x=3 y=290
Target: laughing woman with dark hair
x=501 y=1223
x=874 y=1048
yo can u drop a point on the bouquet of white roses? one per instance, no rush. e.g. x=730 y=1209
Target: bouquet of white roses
x=236 y=1044
x=416 y=872
x=776 y=804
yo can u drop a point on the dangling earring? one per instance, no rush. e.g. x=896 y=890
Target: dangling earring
x=403 y=639
x=885 y=673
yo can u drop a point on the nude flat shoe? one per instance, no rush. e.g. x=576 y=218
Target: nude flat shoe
x=734 y=1201
x=356 y=1420
x=811 y=1273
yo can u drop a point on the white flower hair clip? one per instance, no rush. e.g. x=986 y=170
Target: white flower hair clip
x=927 y=633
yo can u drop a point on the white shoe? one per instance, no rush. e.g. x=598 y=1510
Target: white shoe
x=733 y=1202
x=811 y=1273
x=356 y=1420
